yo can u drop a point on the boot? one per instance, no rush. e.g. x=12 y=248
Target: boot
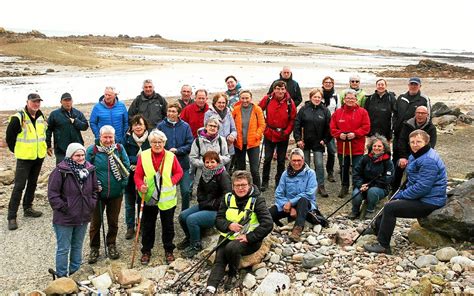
x=183 y=244
x=344 y=191
x=192 y=250
x=93 y=255
x=32 y=213
x=377 y=248
x=113 y=253
x=12 y=225
x=331 y=177
x=130 y=233
x=296 y=233
x=354 y=215
x=322 y=191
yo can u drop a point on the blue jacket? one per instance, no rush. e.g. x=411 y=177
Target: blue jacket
x=427 y=179
x=303 y=185
x=117 y=116
x=180 y=137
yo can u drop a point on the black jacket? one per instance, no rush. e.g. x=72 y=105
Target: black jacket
x=292 y=87
x=405 y=107
x=380 y=111
x=210 y=195
x=63 y=131
x=409 y=126
x=368 y=169
x=312 y=126
x=131 y=147
x=152 y=108
x=263 y=215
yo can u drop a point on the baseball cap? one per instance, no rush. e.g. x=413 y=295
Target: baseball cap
x=416 y=80
x=66 y=96
x=34 y=97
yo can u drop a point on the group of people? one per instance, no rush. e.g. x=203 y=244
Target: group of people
x=145 y=152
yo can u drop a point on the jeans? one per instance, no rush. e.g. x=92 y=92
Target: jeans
x=385 y=223
x=112 y=208
x=192 y=219
x=345 y=172
x=318 y=164
x=270 y=147
x=131 y=206
x=254 y=161
x=185 y=188
x=26 y=171
x=302 y=208
x=69 y=240
x=373 y=195
x=331 y=149
x=150 y=214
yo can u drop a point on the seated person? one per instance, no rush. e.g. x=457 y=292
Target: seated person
x=372 y=176
x=213 y=184
x=424 y=193
x=295 y=195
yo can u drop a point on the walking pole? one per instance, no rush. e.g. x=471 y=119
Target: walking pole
x=137 y=233
x=343 y=160
x=350 y=154
x=262 y=145
x=102 y=225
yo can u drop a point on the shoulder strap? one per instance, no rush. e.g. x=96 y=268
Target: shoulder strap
x=199 y=146
x=220 y=144
x=94 y=152
x=228 y=196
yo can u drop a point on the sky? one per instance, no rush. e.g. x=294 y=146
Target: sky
x=422 y=24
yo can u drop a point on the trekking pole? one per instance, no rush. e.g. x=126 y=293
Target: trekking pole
x=262 y=145
x=350 y=154
x=137 y=233
x=102 y=226
x=343 y=160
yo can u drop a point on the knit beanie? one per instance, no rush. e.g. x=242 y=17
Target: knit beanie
x=72 y=148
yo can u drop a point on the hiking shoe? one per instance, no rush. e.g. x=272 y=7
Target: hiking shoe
x=377 y=248
x=296 y=233
x=369 y=215
x=169 y=257
x=12 y=225
x=331 y=178
x=344 y=191
x=366 y=231
x=113 y=253
x=183 y=244
x=145 y=258
x=230 y=282
x=210 y=291
x=130 y=233
x=32 y=213
x=322 y=191
x=93 y=256
x=353 y=215
x=192 y=250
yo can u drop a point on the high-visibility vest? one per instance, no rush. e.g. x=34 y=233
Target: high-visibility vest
x=234 y=215
x=31 y=141
x=167 y=197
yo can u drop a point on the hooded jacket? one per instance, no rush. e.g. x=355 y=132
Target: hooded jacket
x=409 y=126
x=314 y=121
x=380 y=110
x=292 y=87
x=152 y=108
x=279 y=124
x=116 y=116
x=180 y=137
x=368 y=169
x=291 y=189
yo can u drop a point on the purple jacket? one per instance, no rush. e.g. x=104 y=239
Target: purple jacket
x=71 y=204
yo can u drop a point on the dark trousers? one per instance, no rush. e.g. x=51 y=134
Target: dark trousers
x=398 y=175
x=254 y=161
x=347 y=165
x=230 y=252
x=59 y=157
x=150 y=214
x=112 y=208
x=302 y=208
x=385 y=223
x=27 y=173
x=281 y=148
x=331 y=150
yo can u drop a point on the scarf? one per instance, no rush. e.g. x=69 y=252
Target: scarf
x=222 y=113
x=208 y=174
x=140 y=141
x=79 y=170
x=292 y=173
x=204 y=134
x=327 y=95
x=116 y=166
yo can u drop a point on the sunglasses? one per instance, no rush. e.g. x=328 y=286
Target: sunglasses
x=355 y=81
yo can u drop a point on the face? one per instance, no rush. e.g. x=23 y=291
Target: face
x=157 y=145
x=245 y=99
x=221 y=103
x=66 y=104
x=107 y=139
x=79 y=156
x=354 y=83
x=33 y=105
x=285 y=73
x=413 y=88
x=296 y=162
x=350 y=100
x=279 y=92
x=316 y=99
x=212 y=128
x=421 y=115
x=139 y=128
x=186 y=93
x=381 y=86
x=172 y=114
x=241 y=187
x=377 y=147
x=328 y=84
x=231 y=84
x=148 y=89
x=416 y=143
x=201 y=99
x=211 y=163
x=109 y=96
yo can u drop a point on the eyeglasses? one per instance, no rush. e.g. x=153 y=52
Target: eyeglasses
x=157 y=142
x=240 y=185
x=355 y=81
x=327 y=82
x=212 y=125
x=421 y=113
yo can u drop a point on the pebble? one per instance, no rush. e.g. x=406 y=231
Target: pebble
x=426 y=260
x=457 y=267
x=353 y=280
x=317 y=228
x=311 y=240
x=287 y=252
x=275 y=258
x=445 y=254
x=301 y=276
x=364 y=273
x=326 y=242
x=298 y=245
x=261 y=273
x=463 y=261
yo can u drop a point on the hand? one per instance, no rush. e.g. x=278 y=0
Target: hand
x=300 y=144
x=242 y=238
x=343 y=136
x=230 y=139
x=143 y=188
x=235 y=227
x=293 y=213
x=287 y=207
x=99 y=188
x=351 y=136
x=402 y=162
x=173 y=150
x=322 y=143
x=364 y=187
x=133 y=167
x=50 y=151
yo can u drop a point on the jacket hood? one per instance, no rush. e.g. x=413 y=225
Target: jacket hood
x=412 y=123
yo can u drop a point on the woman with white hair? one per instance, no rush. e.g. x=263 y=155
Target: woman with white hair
x=156 y=175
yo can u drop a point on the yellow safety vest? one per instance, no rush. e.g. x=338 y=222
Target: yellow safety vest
x=167 y=198
x=31 y=141
x=234 y=215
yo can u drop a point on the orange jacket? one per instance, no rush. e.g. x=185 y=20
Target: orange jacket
x=255 y=129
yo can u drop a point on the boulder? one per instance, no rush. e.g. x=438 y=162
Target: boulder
x=258 y=256
x=61 y=286
x=7 y=177
x=456 y=218
x=274 y=283
x=426 y=238
x=129 y=277
x=444 y=120
x=439 y=109
x=445 y=254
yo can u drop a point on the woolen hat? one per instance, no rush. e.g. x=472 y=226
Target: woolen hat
x=66 y=96
x=72 y=148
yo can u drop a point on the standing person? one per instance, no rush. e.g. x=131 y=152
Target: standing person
x=109 y=111
x=65 y=124
x=349 y=126
x=72 y=194
x=227 y=128
x=295 y=196
x=136 y=141
x=332 y=102
x=292 y=86
x=149 y=103
x=244 y=201
x=354 y=84
x=312 y=134
x=179 y=142
x=424 y=193
x=194 y=113
x=280 y=119
x=380 y=106
x=112 y=169
x=186 y=93
x=214 y=183
x=233 y=89
x=250 y=124
x=405 y=109
x=26 y=138
x=163 y=166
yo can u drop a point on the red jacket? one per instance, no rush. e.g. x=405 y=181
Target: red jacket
x=194 y=116
x=276 y=114
x=350 y=119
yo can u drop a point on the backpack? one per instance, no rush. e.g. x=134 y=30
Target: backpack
x=198 y=144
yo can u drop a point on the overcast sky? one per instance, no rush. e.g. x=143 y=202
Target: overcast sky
x=370 y=23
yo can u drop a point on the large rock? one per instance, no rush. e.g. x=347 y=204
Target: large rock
x=274 y=282
x=154 y=273
x=7 y=177
x=258 y=256
x=61 y=286
x=463 y=261
x=440 y=109
x=426 y=238
x=445 y=254
x=456 y=218
x=102 y=282
x=444 y=120
x=129 y=277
